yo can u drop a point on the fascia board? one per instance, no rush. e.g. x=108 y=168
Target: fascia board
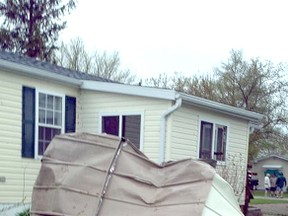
x=37 y=73
x=272 y=166
x=270 y=156
x=167 y=94
x=117 y=88
x=223 y=108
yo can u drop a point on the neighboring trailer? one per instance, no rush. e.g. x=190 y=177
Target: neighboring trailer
x=89 y=174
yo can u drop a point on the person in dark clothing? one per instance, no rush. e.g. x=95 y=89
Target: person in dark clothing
x=281 y=183
x=273 y=180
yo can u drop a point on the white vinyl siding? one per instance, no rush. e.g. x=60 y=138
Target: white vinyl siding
x=94 y=104
x=19 y=173
x=184 y=134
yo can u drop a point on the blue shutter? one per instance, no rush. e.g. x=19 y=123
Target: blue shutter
x=28 y=122
x=70 y=114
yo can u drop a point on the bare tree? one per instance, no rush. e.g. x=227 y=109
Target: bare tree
x=162 y=81
x=76 y=57
x=108 y=66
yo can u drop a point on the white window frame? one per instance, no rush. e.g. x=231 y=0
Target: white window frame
x=37 y=124
x=121 y=114
x=214 y=123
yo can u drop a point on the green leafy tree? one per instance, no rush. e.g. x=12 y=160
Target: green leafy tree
x=31 y=27
x=256 y=86
x=203 y=86
x=253 y=85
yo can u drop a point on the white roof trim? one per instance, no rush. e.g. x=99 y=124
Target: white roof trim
x=35 y=72
x=272 y=166
x=234 y=111
x=270 y=156
x=165 y=94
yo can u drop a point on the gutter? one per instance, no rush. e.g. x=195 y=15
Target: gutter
x=163 y=122
x=35 y=72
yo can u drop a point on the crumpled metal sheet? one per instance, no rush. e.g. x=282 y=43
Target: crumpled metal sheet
x=88 y=174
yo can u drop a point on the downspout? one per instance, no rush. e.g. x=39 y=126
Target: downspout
x=163 y=122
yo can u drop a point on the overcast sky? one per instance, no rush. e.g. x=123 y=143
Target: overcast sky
x=188 y=36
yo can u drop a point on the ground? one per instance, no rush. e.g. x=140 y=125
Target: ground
x=280 y=209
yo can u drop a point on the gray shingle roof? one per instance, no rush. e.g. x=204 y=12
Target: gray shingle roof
x=50 y=68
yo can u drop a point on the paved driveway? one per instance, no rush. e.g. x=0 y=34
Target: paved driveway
x=273 y=209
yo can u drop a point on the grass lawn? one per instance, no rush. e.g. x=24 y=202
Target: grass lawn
x=268 y=200
x=261 y=193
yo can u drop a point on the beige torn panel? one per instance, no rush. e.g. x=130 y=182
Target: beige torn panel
x=101 y=175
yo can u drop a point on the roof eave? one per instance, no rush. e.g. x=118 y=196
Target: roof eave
x=254 y=118
x=168 y=94
x=165 y=94
x=39 y=73
x=270 y=156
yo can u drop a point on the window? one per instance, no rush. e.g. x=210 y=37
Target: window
x=128 y=126
x=49 y=119
x=213 y=140
x=44 y=115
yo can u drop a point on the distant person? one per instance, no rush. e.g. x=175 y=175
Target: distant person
x=280 y=183
x=267 y=184
x=273 y=180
